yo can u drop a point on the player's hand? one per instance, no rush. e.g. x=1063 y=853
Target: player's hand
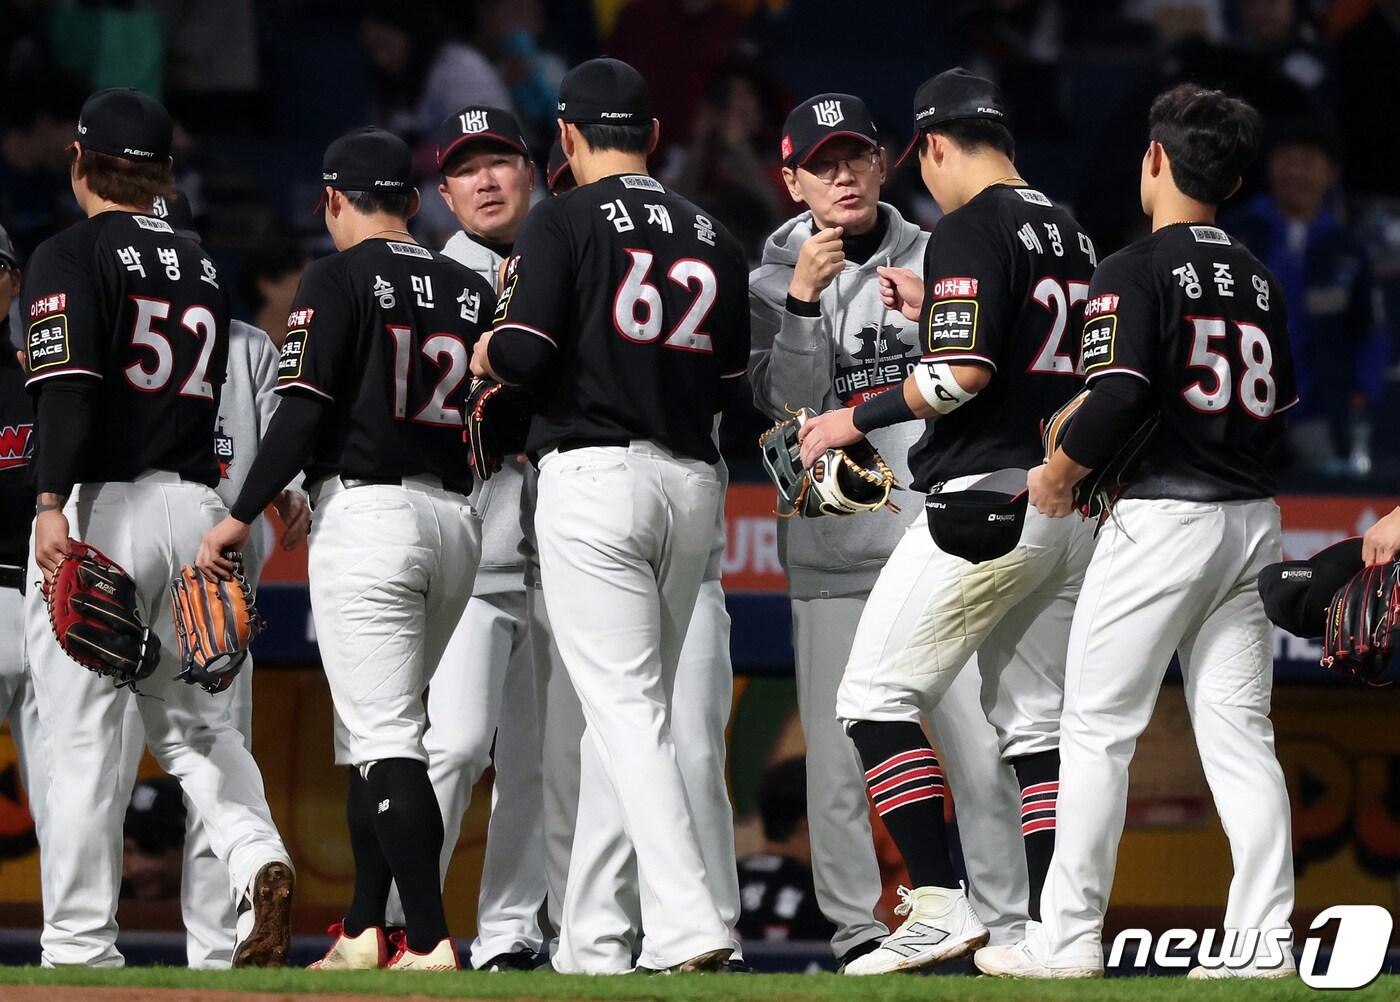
x=480 y=365
x=832 y=430
x=1382 y=541
x=818 y=263
x=295 y=512
x=230 y=534
x=51 y=541
x=1049 y=496
x=902 y=290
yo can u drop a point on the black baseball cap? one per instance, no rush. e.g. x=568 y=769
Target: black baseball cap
x=7 y=249
x=367 y=159
x=604 y=92
x=951 y=96
x=177 y=212
x=1296 y=593
x=982 y=522
x=479 y=123
x=558 y=174
x=123 y=122
x=821 y=118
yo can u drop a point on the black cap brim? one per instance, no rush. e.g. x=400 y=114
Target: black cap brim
x=913 y=145
x=843 y=134
x=984 y=521
x=476 y=137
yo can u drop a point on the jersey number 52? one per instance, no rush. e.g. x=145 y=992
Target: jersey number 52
x=198 y=321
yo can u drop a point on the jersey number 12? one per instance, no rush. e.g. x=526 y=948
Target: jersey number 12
x=450 y=355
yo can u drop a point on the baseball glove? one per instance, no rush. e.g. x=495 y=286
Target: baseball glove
x=215 y=621
x=842 y=482
x=94 y=615
x=1361 y=623
x=498 y=420
x=1098 y=492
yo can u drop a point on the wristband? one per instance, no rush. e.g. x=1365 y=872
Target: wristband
x=802 y=307
x=882 y=410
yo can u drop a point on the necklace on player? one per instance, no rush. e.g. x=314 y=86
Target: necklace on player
x=1015 y=179
x=377 y=232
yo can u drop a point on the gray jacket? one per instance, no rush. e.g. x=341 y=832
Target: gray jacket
x=503 y=545
x=246 y=405
x=837 y=359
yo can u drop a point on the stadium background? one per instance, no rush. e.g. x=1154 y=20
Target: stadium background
x=259 y=87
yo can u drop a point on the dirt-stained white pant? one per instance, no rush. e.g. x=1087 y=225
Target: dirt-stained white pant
x=150 y=528
x=929 y=612
x=844 y=867
x=624 y=537
x=1172 y=577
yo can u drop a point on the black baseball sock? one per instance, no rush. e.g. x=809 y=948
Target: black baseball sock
x=1039 y=779
x=372 y=874
x=906 y=786
x=409 y=824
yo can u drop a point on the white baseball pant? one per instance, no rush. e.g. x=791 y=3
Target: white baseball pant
x=844 y=867
x=604 y=917
x=1172 y=576
x=624 y=535
x=209 y=911
x=149 y=527
x=484 y=692
x=929 y=612
x=391 y=569
x=19 y=707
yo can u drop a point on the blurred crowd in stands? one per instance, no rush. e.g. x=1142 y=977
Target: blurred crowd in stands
x=260 y=86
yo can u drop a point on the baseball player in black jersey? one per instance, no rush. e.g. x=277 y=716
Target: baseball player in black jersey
x=18 y=705
x=125 y=345
x=1186 y=324
x=372 y=377
x=1005 y=274
x=625 y=309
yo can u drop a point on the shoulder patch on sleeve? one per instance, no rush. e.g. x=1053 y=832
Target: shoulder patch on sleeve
x=1099 y=332
x=952 y=326
x=289 y=364
x=46 y=343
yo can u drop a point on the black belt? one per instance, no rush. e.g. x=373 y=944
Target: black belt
x=353 y=482
x=594 y=443
x=12 y=577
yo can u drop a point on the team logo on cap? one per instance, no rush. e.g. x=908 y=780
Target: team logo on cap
x=829 y=113
x=159 y=208
x=473 y=121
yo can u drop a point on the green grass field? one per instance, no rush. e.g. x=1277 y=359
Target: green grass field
x=762 y=987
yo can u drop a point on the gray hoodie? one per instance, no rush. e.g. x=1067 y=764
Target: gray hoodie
x=854 y=348
x=498 y=499
x=246 y=405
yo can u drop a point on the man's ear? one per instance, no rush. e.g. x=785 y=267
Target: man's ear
x=655 y=136
x=567 y=137
x=1158 y=155
x=447 y=194
x=790 y=179
x=414 y=205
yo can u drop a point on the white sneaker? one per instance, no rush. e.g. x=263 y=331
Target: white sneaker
x=1029 y=959
x=442 y=957
x=366 y=952
x=1199 y=973
x=941 y=926
x=263 y=929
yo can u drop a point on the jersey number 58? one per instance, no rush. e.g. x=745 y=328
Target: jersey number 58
x=1258 y=393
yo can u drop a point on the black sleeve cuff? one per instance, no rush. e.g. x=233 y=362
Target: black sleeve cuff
x=802 y=308
x=1116 y=405
x=66 y=414
x=283 y=451
x=518 y=358
x=882 y=410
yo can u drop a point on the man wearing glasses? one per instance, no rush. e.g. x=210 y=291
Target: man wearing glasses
x=822 y=339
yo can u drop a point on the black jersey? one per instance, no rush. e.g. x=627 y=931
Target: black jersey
x=778 y=901
x=643 y=300
x=384 y=332
x=1005 y=279
x=121 y=298
x=16 y=450
x=1196 y=315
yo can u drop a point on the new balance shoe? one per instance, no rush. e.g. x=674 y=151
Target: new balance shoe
x=1030 y=958
x=442 y=957
x=941 y=926
x=1286 y=970
x=263 y=930
x=365 y=952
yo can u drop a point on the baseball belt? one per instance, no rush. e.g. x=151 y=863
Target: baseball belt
x=12 y=577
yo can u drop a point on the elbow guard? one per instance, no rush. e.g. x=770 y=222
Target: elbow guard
x=939 y=387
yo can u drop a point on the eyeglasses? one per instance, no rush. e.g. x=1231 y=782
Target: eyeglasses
x=825 y=169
